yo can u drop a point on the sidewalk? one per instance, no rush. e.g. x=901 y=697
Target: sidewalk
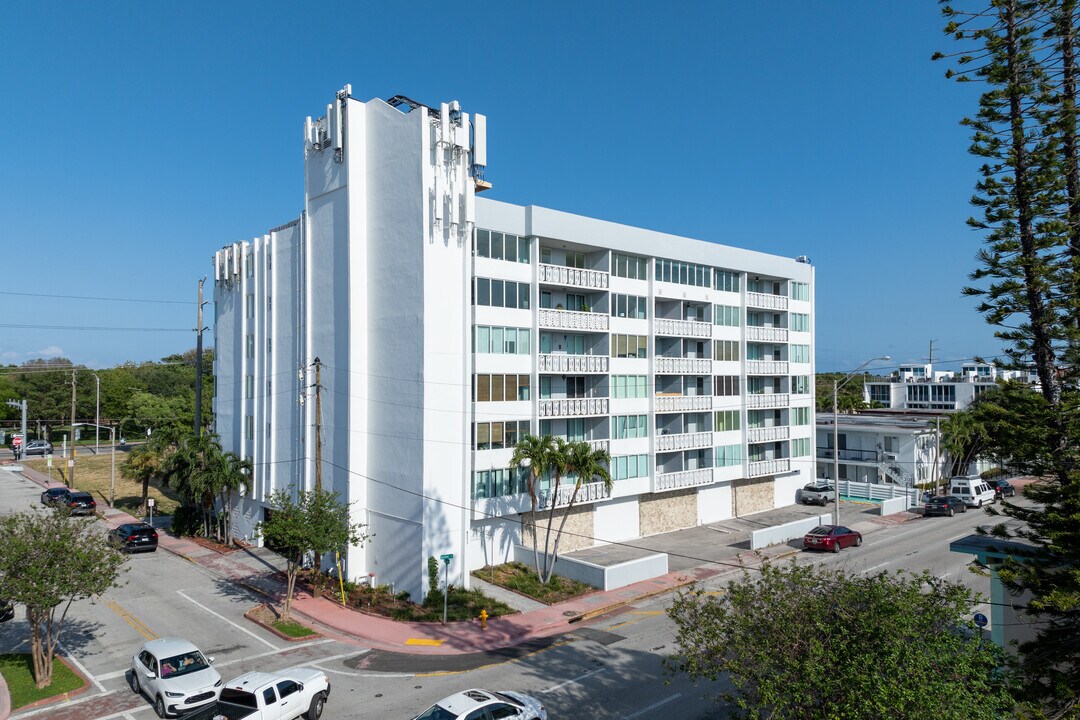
x=259 y=569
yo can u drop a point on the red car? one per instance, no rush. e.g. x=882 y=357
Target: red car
x=831 y=537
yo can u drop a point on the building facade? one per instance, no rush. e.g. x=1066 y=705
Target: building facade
x=424 y=330
x=886 y=448
x=920 y=387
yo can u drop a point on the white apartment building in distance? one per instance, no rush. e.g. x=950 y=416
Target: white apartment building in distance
x=921 y=387
x=425 y=330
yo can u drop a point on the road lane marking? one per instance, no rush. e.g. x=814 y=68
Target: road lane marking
x=81 y=668
x=130 y=619
x=579 y=678
x=222 y=617
x=655 y=705
x=875 y=567
x=953 y=539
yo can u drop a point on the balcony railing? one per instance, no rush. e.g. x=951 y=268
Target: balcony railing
x=684 y=366
x=573 y=320
x=569 y=407
x=682 y=479
x=683 y=328
x=768 y=467
x=766 y=334
x=767 y=300
x=766 y=367
x=765 y=401
x=588 y=492
x=573 y=277
x=562 y=363
x=768 y=434
x=683 y=441
x=604 y=445
x=683 y=403
x=871 y=456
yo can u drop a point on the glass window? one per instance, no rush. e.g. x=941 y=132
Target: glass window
x=483 y=388
x=483 y=240
x=483 y=339
x=497 y=293
x=523 y=250
x=523 y=296
x=497 y=340
x=483 y=291
x=483 y=436
x=496 y=246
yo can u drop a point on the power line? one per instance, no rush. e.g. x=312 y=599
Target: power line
x=98 y=328
x=104 y=299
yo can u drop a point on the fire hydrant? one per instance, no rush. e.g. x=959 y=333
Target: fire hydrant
x=483 y=619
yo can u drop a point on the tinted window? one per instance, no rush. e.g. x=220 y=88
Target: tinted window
x=501 y=710
x=239 y=697
x=475 y=714
x=268 y=696
x=287 y=688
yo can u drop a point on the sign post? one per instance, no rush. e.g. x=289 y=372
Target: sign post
x=446 y=582
x=150 y=506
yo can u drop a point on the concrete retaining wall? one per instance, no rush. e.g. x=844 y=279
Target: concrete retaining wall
x=788 y=531
x=604 y=577
x=893 y=505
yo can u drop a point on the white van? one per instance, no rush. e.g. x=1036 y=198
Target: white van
x=972 y=489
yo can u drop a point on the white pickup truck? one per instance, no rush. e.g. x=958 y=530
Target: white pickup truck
x=285 y=695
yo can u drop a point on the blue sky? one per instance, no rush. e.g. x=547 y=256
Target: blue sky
x=139 y=137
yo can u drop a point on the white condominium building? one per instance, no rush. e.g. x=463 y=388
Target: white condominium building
x=424 y=331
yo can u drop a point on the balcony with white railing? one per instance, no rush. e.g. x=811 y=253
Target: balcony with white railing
x=573 y=407
x=766 y=334
x=684 y=366
x=766 y=367
x=768 y=434
x=562 y=363
x=604 y=445
x=766 y=401
x=573 y=277
x=768 y=467
x=683 y=479
x=683 y=403
x=683 y=441
x=587 y=493
x=573 y=320
x=683 y=328
x=766 y=300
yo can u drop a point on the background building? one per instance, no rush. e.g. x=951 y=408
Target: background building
x=425 y=330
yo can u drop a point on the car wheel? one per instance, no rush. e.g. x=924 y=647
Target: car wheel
x=314 y=711
x=135 y=688
x=950 y=513
x=980 y=503
x=836 y=546
x=159 y=707
x=858 y=541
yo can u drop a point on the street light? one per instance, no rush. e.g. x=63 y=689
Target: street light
x=837 y=384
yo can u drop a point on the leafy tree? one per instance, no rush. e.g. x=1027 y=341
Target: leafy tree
x=143 y=464
x=48 y=560
x=203 y=475
x=807 y=643
x=308 y=521
x=849 y=397
x=963 y=439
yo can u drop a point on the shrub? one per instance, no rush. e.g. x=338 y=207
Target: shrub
x=187 y=521
x=432 y=574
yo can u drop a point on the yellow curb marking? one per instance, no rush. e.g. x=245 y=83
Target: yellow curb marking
x=646 y=612
x=423 y=641
x=130 y=619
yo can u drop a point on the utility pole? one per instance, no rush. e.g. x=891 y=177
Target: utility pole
x=97 y=414
x=318 y=425
x=199 y=363
x=71 y=462
x=932 y=359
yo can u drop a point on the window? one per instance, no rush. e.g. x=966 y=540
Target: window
x=726 y=420
x=499 y=482
x=799 y=353
x=629 y=386
x=943 y=393
x=249 y=387
x=629 y=346
x=726 y=350
x=800 y=291
x=249 y=265
x=800 y=384
x=624 y=467
x=575 y=260
x=682 y=273
x=499 y=434
x=286 y=688
x=630 y=266
x=800 y=447
x=250 y=346
x=882 y=394
x=629 y=306
x=726 y=280
x=629 y=426
x=501 y=293
x=500 y=388
x=249 y=302
x=269 y=303
x=501 y=246
x=800 y=322
x=726 y=315
x=501 y=340
x=800 y=416
x=249 y=427
x=727 y=455
x=269 y=698
x=918 y=393
x=727 y=385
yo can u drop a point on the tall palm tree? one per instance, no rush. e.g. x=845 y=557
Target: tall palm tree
x=198 y=471
x=963 y=438
x=146 y=462
x=234 y=479
x=585 y=463
x=536 y=452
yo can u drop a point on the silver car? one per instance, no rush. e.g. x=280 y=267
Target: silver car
x=477 y=703
x=175 y=676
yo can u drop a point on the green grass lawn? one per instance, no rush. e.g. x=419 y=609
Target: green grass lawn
x=522 y=578
x=93 y=474
x=17 y=670
x=292 y=628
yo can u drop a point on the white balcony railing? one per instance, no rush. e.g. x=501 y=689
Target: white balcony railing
x=562 y=363
x=573 y=320
x=683 y=479
x=768 y=467
x=766 y=334
x=766 y=367
x=684 y=366
x=569 y=407
x=683 y=403
x=768 y=434
x=604 y=445
x=573 y=277
x=683 y=441
x=767 y=300
x=587 y=493
x=683 y=328
x=764 y=401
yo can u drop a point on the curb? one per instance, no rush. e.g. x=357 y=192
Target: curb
x=250 y=615
x=62 y=697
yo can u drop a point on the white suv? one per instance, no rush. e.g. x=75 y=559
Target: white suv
x=175 y=675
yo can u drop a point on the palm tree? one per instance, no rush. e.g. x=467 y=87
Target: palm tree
x=146 y=462
x=558 y=463
x=234 y=479
x=536 y=452
x=585 y=463
x=963 y=438
x=199 y=471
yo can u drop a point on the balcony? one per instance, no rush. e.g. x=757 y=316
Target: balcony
x=604 y=445
x=867 y=456
x=562 y=363
x=573 y=277
x=768 y=434
x=683 y=441
x=573 y=407
x=683 y=328
x=766 y=300
x=588 y=492
x=573 y=320
x=768 y=467
x=683 y=366
x=767 y=401
x=683 y=403
x=766 y=334
x=682 y=479
x=766 y=367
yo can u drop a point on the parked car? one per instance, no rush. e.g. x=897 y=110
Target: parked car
x=972 y=489
x=1002 y=488
x=7 y=611
x=284 y=695
x=944 y=505
x=133 y=537
x=818 y=493
x=53 y=495
x=78 y=503
x=502 y=704
x=38 y=447
x=831 y=537
x=175 y=676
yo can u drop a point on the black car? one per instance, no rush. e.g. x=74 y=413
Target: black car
x=38 y=447
x=7 y=611
x=78 y=503
x=1002 y=488
x=53 y=496
x=134 y=537
x=944 y=505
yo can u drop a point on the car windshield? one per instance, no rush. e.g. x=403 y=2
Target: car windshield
x=507 y=699
x=183 y=664
x=436 y=712
x=820 y=530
